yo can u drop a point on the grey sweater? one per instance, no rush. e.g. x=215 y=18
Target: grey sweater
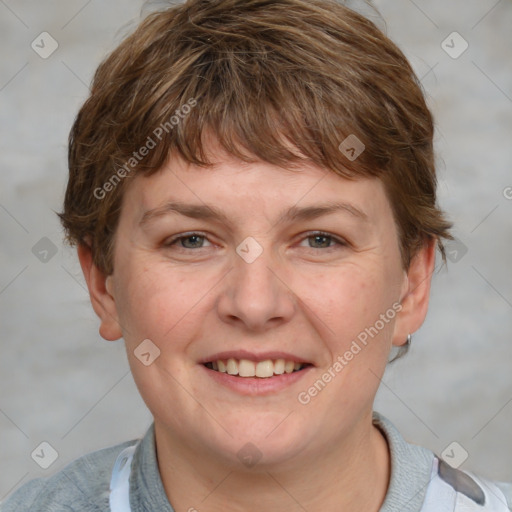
x=83 y=485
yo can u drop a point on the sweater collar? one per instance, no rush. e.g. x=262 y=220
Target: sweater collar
x=411 y=467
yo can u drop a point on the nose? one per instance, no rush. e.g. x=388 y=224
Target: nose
x=256 y=295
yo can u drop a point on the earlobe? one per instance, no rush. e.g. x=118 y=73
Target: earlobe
x=100 y=292
x=416 y=293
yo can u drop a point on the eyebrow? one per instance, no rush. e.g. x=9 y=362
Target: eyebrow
x=208 y=212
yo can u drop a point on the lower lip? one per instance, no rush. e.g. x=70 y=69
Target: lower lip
x=253 y=386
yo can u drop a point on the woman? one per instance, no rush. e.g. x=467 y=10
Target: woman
x=252 y=192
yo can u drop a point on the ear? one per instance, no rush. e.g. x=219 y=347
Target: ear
x=102 y=299
x=415 y=293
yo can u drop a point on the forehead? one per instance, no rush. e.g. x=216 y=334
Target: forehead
x=233 y=190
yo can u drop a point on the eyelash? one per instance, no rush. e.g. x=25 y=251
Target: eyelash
x=336 y=240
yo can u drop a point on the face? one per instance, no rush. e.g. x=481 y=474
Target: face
x=257 y=270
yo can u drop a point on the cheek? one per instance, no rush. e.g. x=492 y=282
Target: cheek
x=346 y=306
x=158 y=301
x=346 y=299
x=164 y=306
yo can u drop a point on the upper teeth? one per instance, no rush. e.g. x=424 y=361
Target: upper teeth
x=246 y=368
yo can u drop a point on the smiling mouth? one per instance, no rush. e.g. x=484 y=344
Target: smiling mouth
x=262 y=369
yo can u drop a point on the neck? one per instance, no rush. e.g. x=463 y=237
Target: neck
x=354 y=476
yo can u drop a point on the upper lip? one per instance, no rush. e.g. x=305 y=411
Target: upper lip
x=252 y=356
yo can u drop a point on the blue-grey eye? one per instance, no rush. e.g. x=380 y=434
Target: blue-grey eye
x=322 y=240
x=197 y=241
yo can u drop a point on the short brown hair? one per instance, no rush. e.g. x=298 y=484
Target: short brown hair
x=259 y=75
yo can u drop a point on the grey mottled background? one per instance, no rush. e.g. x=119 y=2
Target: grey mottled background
x=60 y=382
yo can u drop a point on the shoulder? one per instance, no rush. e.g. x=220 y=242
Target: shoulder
x=452 y=489
x=82 y=485
x=506 y=489
x=421 y=481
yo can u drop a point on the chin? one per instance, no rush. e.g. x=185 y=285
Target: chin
x=264 y=442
